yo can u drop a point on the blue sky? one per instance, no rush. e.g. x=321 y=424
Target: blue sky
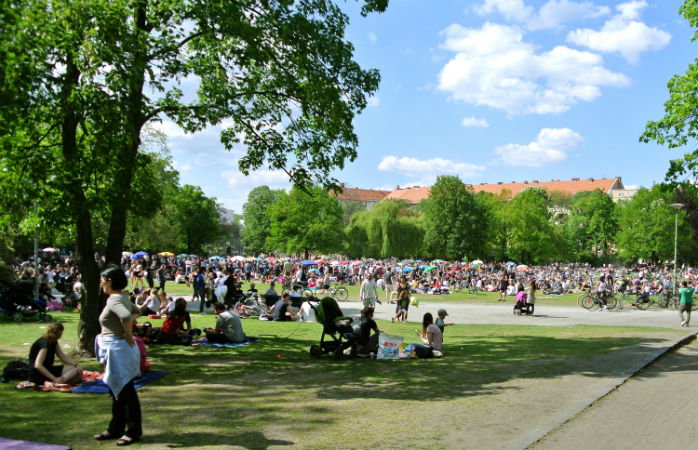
x=492 y=90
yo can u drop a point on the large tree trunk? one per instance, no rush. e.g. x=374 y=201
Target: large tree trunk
x=88 y=326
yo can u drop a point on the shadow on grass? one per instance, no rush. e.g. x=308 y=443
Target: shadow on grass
x=251 y=440
x=251 y=396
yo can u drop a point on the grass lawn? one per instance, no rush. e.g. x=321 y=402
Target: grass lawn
x=271 y=394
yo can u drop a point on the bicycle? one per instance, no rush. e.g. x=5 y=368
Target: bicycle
x=339 y=293
x=592 y=302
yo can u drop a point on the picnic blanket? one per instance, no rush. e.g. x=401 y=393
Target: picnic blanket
x=87 y=377
x=99 y=387
x=13 y=444
x=204 y=342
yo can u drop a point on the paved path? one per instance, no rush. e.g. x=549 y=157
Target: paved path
x=655 y=409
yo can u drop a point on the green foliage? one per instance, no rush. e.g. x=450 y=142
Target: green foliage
x=530 y=235
x=591 y=227
x=197 y=217
x=389 y=229
x=455 y=222
x=679 y=126
x=304 y=221
x=349 y=209
x=647 y=225
x=257 y=226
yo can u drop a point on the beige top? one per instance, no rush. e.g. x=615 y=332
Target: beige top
x=118 y=310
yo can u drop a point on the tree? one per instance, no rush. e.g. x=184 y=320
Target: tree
x=531 y=237
x=454 y=221
x=81 y=78
x=197 y=216
x=679 y=126
x=304 y=221
x=256 y=228
x=591 y=226
x=647 y=225
x=390 y=229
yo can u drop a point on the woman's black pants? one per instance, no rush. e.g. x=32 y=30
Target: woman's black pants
x=126 y=413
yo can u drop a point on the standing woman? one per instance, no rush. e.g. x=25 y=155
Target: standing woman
x=531 y=299
x=116 y=348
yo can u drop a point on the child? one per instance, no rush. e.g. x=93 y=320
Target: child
x=440 y=320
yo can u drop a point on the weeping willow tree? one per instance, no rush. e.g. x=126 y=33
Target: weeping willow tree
x=389 y=229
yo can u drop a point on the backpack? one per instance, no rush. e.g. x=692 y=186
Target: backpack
x=16 y=370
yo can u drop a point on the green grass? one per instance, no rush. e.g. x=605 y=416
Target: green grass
x=273 y=394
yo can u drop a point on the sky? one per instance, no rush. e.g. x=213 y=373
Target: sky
x=491 y=90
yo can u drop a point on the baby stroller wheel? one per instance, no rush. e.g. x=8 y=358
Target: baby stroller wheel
x=45 y=317
x=338 y=354
x=17 y=316
x=315 y=351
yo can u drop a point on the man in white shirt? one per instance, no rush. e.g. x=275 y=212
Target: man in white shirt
x=368 y=293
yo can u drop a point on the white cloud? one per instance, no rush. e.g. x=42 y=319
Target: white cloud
x=551 y=15
x=428 y=167
x=373 y=37
x=550 y=146
x=493 y=66
x=622 y=34
x=511 y=9
x=275 y=179
x=373 y=102
x=473 y=121
x=171 y=130
x=556 y=12
x=179 y=167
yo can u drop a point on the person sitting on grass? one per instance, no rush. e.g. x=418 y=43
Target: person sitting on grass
x=366 y=343
x=42 y=355
x=177 y=326
x=282 y=311
x=228 y=326
x=152 y=304
x=431 y=334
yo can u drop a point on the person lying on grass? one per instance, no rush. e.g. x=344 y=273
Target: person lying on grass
x=42 y=355
x=228 y=326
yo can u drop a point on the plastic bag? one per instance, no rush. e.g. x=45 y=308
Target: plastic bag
x=389 y=346
x=415 y=301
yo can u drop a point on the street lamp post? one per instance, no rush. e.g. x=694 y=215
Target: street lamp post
x=676 y=207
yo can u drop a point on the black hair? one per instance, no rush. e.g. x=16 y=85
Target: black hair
x=367 y=311
x=427 y=320
x=116 y=275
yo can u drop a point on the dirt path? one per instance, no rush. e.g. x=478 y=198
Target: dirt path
x=656 y=409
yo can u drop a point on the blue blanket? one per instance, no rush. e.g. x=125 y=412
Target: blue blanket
x=206 y=343
x=98 y=386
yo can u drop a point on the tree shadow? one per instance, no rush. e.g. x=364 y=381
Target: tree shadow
x=253 y=440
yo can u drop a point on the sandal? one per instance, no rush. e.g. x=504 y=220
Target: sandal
x=103 y=436
x=125 y=440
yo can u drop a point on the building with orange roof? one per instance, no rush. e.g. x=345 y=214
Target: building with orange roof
x=611 y=186
x=368 y=197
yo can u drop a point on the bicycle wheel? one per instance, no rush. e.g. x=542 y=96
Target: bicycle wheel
x=341 y=294
x=621 y=301
x=306 y=293
x=642 y=303
x=588 y=302
x=581 y=297
x=674 y=303
x=611 y=302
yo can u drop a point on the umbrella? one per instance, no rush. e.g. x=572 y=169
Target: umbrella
x=429 y=268
x=126 y=253
x=511 y=263
x=237 y=258
x=216 y=257
x=312 y=270
x=309 y=263
x=183 y=255
x=166 y=254
x=139 y=255
x=407 y=269
x=477 y=261
x=49 y=249
x=522 y=268
x=437 y=261
x=356 y=263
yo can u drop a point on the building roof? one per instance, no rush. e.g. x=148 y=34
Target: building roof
x=411 y=195
x=416 y=194
x=360 y=195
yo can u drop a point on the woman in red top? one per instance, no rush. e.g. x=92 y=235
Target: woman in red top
x=177 y=327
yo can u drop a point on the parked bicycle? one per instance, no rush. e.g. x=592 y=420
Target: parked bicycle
x=592 y=301
x=339 y=293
